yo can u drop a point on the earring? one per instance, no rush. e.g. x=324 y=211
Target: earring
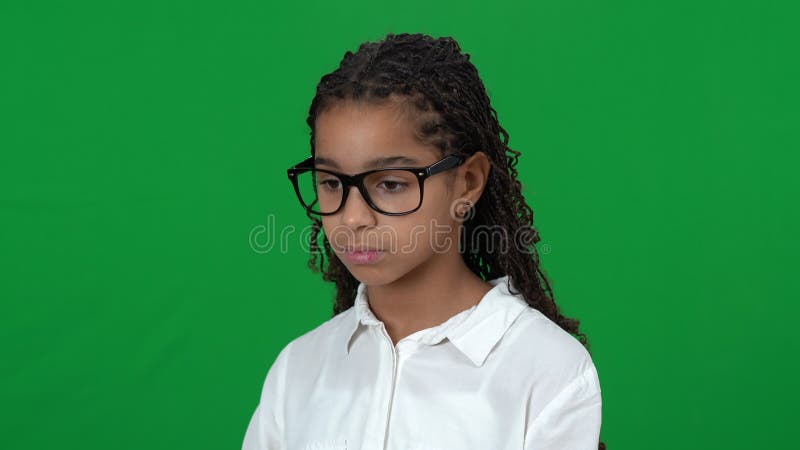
x=460 y=209
x=467 y=207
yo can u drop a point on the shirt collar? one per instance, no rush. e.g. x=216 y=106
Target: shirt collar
x=474 y=335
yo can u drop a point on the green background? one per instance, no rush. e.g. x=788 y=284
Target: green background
x=143 y=148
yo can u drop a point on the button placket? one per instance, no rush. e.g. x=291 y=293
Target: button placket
x=392 y=387
x=402 y=351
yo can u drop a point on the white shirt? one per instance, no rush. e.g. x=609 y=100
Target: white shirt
x=497 y=376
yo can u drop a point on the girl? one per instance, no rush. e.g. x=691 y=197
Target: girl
x=445 y=333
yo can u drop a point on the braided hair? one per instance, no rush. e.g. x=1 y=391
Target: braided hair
x=441 y=90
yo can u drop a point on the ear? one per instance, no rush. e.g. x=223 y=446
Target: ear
x=474 y=173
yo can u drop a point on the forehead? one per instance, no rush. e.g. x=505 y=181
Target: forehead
x=354 y=137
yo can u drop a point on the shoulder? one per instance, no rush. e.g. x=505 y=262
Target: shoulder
x=323 y=339
x=545 y=349
x=307 y=351
x=553 y=366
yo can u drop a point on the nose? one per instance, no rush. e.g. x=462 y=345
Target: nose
x=356 y=212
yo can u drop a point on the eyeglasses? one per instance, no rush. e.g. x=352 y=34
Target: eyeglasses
x=393 y=191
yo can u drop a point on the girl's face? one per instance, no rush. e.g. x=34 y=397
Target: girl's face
x=350 y=137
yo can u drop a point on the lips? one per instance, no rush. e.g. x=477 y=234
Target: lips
x=363 y=255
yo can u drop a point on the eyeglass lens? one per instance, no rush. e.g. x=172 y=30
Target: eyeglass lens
x=392 y=191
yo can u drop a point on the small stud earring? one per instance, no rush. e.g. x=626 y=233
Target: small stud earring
x=467 y=205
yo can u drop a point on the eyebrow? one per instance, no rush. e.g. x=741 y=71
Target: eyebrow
x=375 y=163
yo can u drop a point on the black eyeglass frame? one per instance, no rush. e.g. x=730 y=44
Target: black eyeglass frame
x=450 y=161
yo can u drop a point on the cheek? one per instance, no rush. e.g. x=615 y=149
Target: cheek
x=437 y=207
x=441 y=226
x=337 y=235
x=437 y=196
x=427 y=230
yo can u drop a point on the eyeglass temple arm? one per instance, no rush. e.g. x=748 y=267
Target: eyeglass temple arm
x=447 y=163
x=308 y=162
x=305 y=164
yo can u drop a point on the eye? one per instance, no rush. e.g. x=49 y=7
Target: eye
x=393 y=186
x=330 y=183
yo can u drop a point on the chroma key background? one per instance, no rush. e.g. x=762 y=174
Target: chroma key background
x=144 y=292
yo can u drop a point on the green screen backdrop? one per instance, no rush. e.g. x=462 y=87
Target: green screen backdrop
x=143 y=148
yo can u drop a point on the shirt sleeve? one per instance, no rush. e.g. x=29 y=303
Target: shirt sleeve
x=265 y=431
x=571 y=420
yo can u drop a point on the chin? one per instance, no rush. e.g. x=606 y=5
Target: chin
x=371 y=276
x=384 y=273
